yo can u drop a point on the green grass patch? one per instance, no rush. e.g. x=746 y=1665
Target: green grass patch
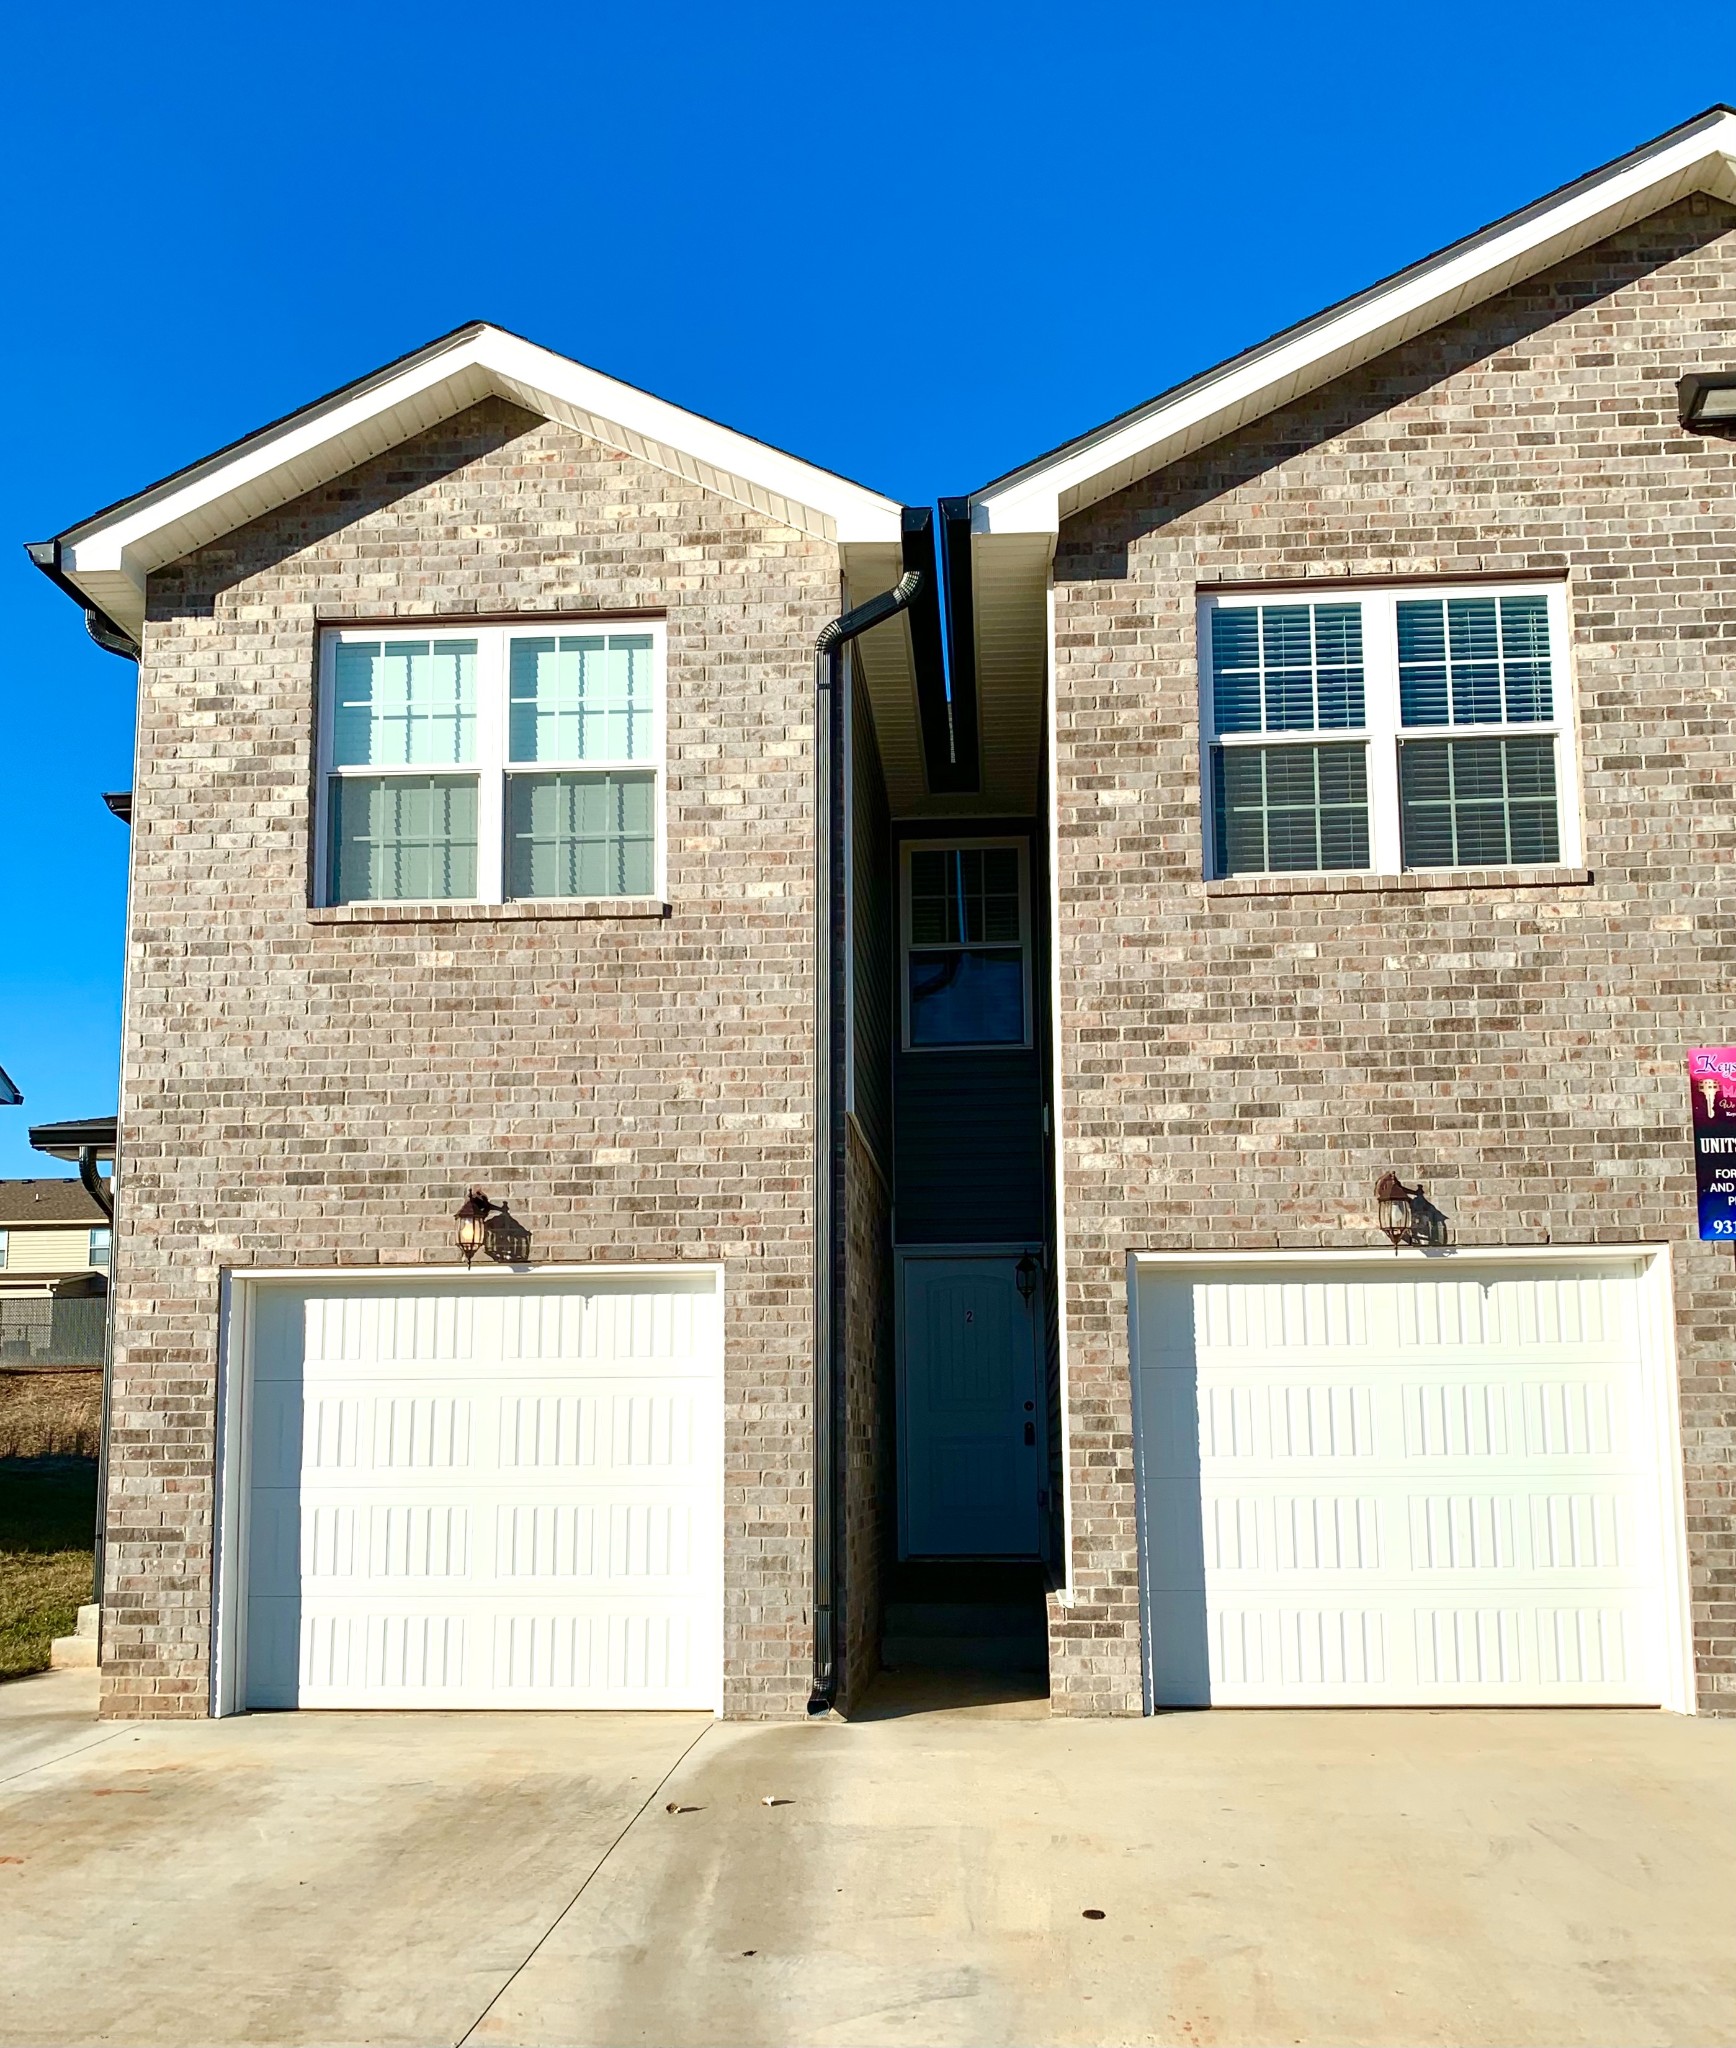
x=47 y=1532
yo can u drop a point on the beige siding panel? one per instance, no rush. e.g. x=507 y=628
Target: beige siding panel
x=47 y=1251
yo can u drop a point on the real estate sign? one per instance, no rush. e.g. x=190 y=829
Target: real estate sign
x=1712 y=1081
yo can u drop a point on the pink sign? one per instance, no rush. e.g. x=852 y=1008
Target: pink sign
x=1712 y=1082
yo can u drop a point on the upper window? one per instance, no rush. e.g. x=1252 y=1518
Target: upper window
x=966 y=944
x=1388 y=729
x=501 y=762
x=100 y=1240
x=5 y=1248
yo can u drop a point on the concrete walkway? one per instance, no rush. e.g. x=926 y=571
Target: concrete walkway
x=924 y=1877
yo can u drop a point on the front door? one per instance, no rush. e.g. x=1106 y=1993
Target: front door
x=971 y=1455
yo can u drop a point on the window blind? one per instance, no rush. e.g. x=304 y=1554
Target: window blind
x=1287 y=809
x=1479 y=803
x=401 y=837
x=1474 y=661
x=1288 y=668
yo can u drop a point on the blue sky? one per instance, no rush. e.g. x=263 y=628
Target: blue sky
x=918 y=248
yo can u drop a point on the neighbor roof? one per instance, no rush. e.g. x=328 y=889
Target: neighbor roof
x=1700 y=156
x=105 y=559
x=73 y=1135
x=23 y=1202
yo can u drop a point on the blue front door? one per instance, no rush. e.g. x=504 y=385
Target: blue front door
x=971 y=1456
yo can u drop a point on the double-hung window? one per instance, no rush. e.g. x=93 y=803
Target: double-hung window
x=966 y=944
x=1384 y=730
x=491 y=764
x=99 y=1249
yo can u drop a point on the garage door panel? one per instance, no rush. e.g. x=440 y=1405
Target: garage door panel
x=615 y=1423
x=622 y=1658
x=636 y=1654
x=1386 y=1520
x=605 y=1543
x=516 y=1504
x=301 y=1428
x=1389 y=1651
x=1244 y=1525
x=1581 y=1311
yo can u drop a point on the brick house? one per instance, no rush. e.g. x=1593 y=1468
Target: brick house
x=930 y=1096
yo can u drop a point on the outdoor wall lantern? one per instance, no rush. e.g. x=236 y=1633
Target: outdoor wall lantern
x=1407 y=1215
x=1025 y=1278
x=473 y=1223
x=1708 y=402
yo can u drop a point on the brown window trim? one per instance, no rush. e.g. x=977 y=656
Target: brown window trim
x=1397 y=579
x=442 y=620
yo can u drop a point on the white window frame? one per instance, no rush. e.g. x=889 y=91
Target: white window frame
x=106 y=1232
x=5 y=1248
x=963 y=842
x=1382 y=731
x=492 y=767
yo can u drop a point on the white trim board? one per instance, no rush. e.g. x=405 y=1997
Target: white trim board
x=240 y=1290
x=1697 y=157
x=109 y=556
x=1649 y=1263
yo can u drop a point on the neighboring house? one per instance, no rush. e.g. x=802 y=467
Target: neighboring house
x=54 y=1262
x=939 y=1099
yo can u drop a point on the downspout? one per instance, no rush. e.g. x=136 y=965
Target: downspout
x=830 y=996
x=90 y=1173
x=112 y=639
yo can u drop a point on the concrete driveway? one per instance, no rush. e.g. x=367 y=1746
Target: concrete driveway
x=925 y=1877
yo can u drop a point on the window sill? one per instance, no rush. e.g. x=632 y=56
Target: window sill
x=521 y=911
x=1356 y=884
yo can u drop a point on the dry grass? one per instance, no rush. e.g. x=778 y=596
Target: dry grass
x=50 y=1414
x=49 y=1425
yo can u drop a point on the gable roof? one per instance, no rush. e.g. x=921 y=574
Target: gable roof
x=1700 y=156
x=105 y=559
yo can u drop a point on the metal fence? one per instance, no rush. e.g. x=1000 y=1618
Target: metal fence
x=41 y=1331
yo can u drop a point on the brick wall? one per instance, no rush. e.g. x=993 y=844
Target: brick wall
x=1238 y=1068
x=870 y=1478
x=307 y=1092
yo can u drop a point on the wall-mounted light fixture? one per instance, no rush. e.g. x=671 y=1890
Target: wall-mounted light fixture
x=473 y=1218
x=1025 y=1278
x=1707 y=401
x=1407 y=1215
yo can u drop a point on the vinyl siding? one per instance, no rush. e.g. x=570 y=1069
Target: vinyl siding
x=33 y=1250
x=969 y=1148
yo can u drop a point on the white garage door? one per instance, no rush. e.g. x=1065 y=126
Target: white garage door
x=484 y=1493
x=1430 y=1483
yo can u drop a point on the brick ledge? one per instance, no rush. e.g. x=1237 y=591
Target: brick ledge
x=593 y=907
x=1370 y=885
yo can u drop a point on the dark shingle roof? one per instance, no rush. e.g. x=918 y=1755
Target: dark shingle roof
x=23 y=1202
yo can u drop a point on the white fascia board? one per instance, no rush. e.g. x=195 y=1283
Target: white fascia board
x=1037 y=499
x=109 y=557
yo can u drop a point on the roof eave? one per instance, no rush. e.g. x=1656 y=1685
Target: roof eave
x=104 y=561
x=1699 y=156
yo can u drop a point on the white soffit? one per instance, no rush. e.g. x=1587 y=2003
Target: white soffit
x=886 y=662
x=1699 y=157
x=109 y=556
